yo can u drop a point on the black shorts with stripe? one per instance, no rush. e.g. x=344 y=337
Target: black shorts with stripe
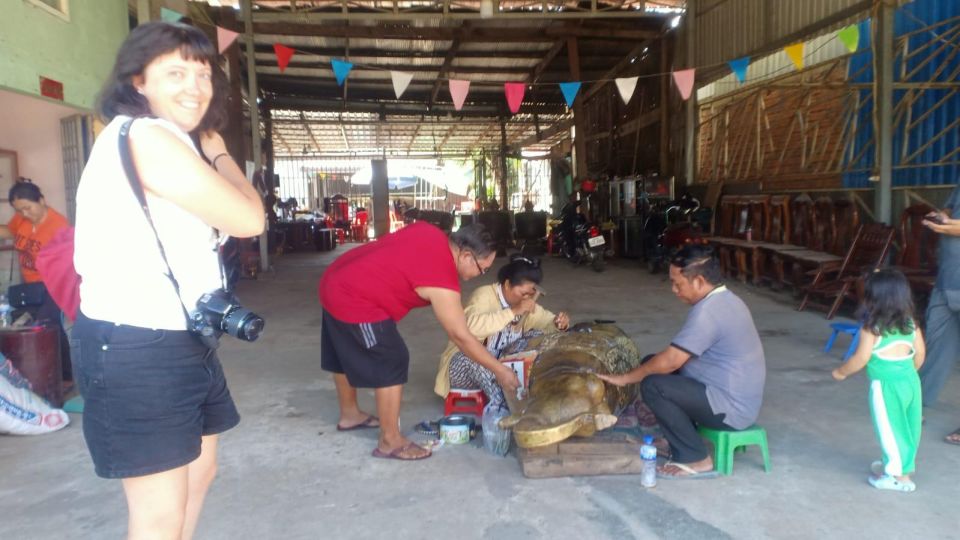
x=371 y=355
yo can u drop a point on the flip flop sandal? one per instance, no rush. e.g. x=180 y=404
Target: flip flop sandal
x=397 y=453
x=890 y=483
x=691 y=473
x=368 y=423
x=953 y=438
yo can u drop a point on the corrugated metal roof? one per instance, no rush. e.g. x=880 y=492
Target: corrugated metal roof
x=729 y=29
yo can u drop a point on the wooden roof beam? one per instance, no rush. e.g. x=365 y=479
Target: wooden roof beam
x=306 y=126
x=476 y=34
x=615 y=70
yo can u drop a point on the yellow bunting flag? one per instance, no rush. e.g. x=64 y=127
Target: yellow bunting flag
x=795 y=52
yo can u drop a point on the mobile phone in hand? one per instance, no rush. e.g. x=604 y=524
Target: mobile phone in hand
x=934 y=218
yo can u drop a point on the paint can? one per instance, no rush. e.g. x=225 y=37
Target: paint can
x=455 y=429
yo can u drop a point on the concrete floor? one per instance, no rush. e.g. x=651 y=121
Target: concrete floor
x=285 y=472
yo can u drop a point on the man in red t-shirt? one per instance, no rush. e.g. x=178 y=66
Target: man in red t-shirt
x=367 y=290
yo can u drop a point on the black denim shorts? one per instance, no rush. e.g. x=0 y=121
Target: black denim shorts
x=149 y=395
x=370 y=355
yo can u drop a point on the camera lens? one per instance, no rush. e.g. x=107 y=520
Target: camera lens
x=243 y=323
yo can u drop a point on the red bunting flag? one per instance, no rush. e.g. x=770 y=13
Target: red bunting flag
x=284 y=54
x=514 y=92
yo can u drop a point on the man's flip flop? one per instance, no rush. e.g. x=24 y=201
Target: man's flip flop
x=397 y=453
x=953 y=438
x=691 y=473
x=368 y=423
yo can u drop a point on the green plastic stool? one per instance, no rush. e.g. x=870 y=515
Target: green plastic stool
x=726 y=442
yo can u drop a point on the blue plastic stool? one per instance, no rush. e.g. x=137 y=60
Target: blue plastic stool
x=847 y=328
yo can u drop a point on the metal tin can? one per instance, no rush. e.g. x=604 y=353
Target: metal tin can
x=455 y=429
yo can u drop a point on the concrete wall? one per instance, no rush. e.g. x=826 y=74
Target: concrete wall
x=31 y=128
x=79 y=52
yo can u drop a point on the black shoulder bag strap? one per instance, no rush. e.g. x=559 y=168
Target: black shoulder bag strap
x=137 y=186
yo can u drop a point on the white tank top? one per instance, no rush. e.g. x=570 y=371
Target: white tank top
x=123 y=275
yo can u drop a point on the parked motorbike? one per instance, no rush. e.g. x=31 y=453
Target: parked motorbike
x=669 y=228
x=580 y=241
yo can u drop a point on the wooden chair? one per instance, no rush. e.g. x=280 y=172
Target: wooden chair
x=867 y=252
x=776 y=236
x=751 y=215
x=798 y=237
x=846 y=221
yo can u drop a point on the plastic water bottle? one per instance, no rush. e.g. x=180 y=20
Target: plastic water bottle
x=648 y=453
x=5 y=311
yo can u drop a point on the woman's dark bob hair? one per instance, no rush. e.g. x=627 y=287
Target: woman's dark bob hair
x=520 y=270
x=144 y=44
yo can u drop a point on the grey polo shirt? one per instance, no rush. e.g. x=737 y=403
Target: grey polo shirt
x=726 y=356
x=948 y=276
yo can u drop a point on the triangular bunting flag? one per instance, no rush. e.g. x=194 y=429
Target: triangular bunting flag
x=169 y=15
x=739 y=67
x=850 y=37
x=400 y=82
x=284 y=54
x=458 y=92
x=795 y=52
x=225 y=38
x=570 y=90
x=684 y=79
x=514 y=91
x=626 y=86
x=341 y=69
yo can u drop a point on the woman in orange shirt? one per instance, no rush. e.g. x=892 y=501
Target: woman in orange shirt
x=31 y=228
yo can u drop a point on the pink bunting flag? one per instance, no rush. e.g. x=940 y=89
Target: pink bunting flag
x=514 y=92
x=225 y=38
x=684 y=80
x=284 y=54
x=458 y=91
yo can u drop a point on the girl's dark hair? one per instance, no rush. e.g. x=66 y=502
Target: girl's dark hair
x=520 y=269
x=887 y=302
x=473 y=238
x=144 y=44
x=24 y=189
x=698 y=260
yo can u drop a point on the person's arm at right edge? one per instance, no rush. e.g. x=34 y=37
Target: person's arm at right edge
x=449 y=312
x=222 y=198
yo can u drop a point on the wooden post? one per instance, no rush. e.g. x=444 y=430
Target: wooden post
x=579 y=122
x=690 y=126
x=380 y=198
x=147 y=10
x=254 y=114
x=504 y=199
x=234 y=132
x=665 y=165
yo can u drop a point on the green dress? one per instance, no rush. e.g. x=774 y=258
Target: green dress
x=895 y=403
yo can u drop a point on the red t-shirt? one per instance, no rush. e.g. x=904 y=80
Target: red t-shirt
x=377 y=281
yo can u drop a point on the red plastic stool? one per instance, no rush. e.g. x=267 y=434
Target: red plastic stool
x=464 y=401
x=341 y=236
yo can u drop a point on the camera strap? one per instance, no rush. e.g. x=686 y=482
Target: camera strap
x=137 y=186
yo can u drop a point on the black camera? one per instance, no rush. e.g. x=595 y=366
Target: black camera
x=219 y=312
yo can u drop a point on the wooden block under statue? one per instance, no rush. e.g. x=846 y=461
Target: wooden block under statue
x=35 y=352
x=607 y=452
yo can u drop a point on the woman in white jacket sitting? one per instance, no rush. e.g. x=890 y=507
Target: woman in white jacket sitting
x=498 y=314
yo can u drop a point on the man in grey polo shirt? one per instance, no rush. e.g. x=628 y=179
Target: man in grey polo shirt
x=711 y=374
x=943 y=312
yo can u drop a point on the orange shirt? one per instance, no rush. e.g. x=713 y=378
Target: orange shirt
x=29 y=239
